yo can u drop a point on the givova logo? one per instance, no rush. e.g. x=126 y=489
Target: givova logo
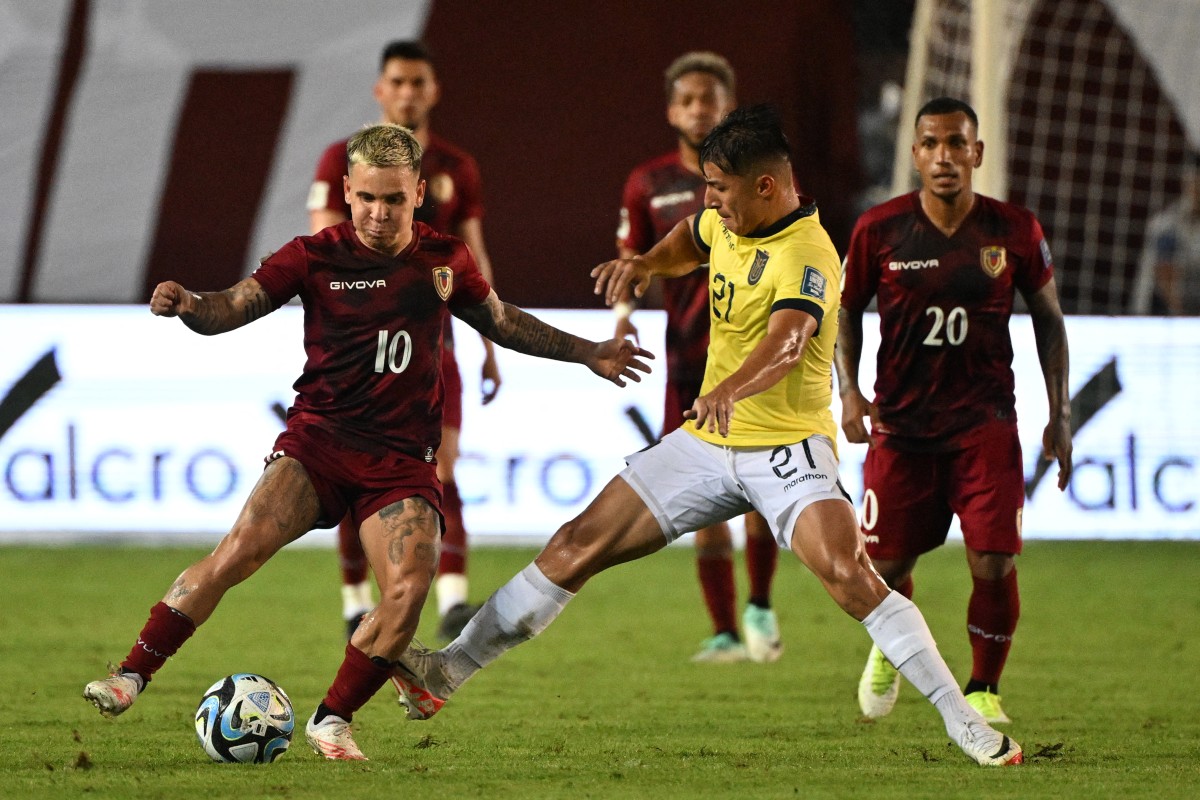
x=56 y=467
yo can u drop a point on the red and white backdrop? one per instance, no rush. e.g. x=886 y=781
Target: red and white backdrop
x=145 y=140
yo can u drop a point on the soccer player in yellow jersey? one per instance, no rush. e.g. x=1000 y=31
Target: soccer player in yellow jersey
x=761 y=437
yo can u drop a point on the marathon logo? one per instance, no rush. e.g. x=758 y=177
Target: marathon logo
x=808 y=476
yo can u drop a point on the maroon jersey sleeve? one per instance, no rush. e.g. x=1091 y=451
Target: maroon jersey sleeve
x=636 y=230
x=470 y=287
x=326 y=191
x=860 y=275
x=1037 y=268
x=282 y=274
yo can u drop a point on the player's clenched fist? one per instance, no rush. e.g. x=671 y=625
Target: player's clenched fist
x=170 y=300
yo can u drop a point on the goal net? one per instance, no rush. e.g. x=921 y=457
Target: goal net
x=1088 y=108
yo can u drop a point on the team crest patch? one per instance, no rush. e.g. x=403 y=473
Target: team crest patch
x=993 y=259
x=756 y=269
x=443 y=281
x=813 y=284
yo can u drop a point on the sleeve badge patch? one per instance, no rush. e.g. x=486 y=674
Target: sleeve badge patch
x=813 y=284
x=993 y=259
x=756 y=269
x=1046 y=259
x=443 y=281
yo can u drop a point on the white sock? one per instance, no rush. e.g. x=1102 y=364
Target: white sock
x=356 y=599
x=518 y=611
x=451 y=590
x=900 y=632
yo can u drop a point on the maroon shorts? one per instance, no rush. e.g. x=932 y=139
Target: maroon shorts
x=909 y=498
x=679 y=398
x=452 y=391
x=346 y=479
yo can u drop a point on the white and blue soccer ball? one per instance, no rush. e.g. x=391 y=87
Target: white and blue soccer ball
x=245 y=718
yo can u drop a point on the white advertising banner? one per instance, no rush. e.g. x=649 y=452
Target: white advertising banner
x=115 y=424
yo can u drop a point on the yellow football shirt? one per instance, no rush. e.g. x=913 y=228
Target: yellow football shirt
x=789 y=264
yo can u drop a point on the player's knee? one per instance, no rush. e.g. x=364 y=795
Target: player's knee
x=576 y=550
x=238 y=557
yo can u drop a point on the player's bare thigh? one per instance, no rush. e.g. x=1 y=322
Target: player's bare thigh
x=401 y=541
x=615 y=527
x=281 y=508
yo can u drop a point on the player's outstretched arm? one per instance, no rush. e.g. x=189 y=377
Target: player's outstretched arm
x=846 y=356
x=677 y=254
x=788 y=332
x=1050 y=333
x=211 y=312
x=508 y=326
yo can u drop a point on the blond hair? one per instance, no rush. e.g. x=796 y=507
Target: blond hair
x=385 y=145
x=700 y=61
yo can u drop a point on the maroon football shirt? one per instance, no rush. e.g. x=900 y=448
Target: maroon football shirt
x=373 y=332
x=945 y=358
x=658 y=194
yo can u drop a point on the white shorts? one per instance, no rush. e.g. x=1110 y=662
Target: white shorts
x=689 y=483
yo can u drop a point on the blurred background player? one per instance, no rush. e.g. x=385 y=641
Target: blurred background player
x=700 y=89
x=1168 y=279
x=944 y=263
x=407 y=90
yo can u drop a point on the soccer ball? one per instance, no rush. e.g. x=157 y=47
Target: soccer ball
x=245 y=718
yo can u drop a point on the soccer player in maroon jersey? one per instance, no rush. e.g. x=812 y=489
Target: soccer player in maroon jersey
x=944 y=263
x=700 y=89
x=407 y=91
x=362 y=432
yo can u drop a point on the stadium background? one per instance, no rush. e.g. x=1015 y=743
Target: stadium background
x=171 y=139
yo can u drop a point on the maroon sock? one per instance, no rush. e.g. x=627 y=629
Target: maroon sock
x=716 y=581
x=357 y=681
x=454 y=538
x=992 y=616
x=350 y=553
x=161 y=637
x=762 y=555
x=905 y=587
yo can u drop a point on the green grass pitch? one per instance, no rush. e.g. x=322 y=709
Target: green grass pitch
x=1101 y=685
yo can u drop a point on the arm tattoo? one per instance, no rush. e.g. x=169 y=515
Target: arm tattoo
x=220 y=312
x=509 y=326
x=257 y=304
